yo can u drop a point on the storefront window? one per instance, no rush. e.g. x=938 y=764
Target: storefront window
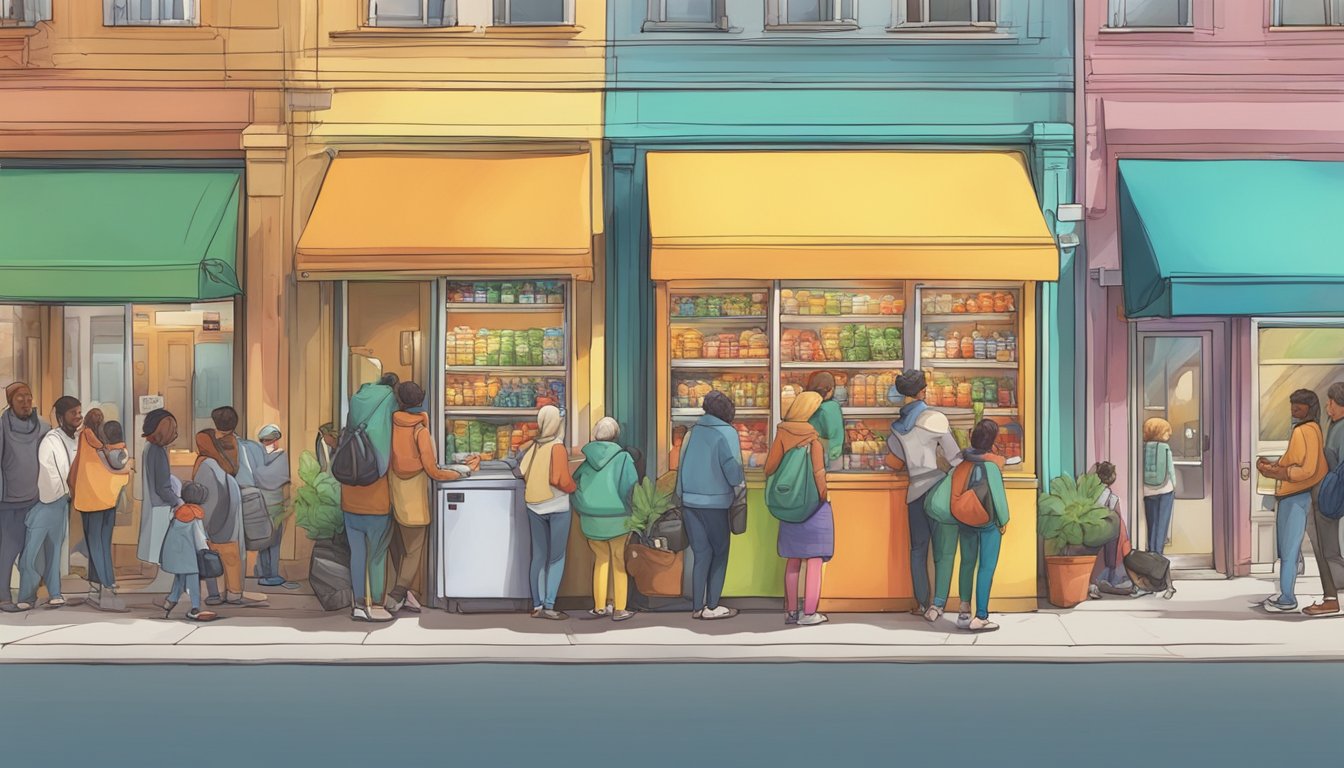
x=95 y=358
x=183 y=361
x=20 y=352
x=1293 y=358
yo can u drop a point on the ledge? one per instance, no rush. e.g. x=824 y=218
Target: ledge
x=427 y=34
x=950 y=33
x=1188 y=30
x=17 y=31
x=535 y=30
x=834 y=26
x=1307 y=28
x=687 y=26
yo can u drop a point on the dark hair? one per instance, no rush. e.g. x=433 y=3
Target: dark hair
x=821 y=382
x=225 y=418
x=1336 y=393
x=720 y=405
x=153 y=419
x=64 y=404
x=113 y=433
x=1308 y=398
x=389 y=380
x=911 y=383
x=1105 y=472
x=984 y=435
x=410 y=394
x=194 y=493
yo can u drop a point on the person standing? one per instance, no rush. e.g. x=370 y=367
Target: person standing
x=412 y=467
x=269 y=466
x=159 y=490
x=96 y=484
x=368 y=508
x=45 y=524
x=217 y=468
x=919 y=437
x=1296 y=473
x=828 y=420
x=1159 y=482
x=545 y=471
x=708 y=476
x=980 y=544
x=605 y=482
x=21 y=431
x=810 y=543
x=1324 y=532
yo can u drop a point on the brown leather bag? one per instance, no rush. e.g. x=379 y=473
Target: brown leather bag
x=657 y=572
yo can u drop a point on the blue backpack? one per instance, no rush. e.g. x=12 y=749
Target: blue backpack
x=1155 y=458
x=1330 y=493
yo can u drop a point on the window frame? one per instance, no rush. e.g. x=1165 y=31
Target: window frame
x=1333 y=18
x=1115 y=17
x=191 y=15
x=777 y=17
x=655 y=19
x=34 y=12
x=903 y=22
x=503 y=9
x=449 y=16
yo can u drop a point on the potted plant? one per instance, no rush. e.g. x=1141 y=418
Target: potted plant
x=317 y=509
x=648 y=503
x=656 y=572
x=1074 y=526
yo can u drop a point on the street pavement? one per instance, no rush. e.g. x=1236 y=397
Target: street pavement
x=1206 y=620
x=741 y=715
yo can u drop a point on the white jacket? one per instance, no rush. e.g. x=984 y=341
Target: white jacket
x=55 y=454
x=919 y=449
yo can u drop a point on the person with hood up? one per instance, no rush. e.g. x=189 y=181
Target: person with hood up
x=828 y=420
x=217 y=465
x=918 y=438
x=709 y=475
x=160 y=492
x=96 y=481
x=606 y=481
x=21 y=430
x=545 y=470
x=811 y=542
x=268 y=464
x=413 y=465
x=368 y=508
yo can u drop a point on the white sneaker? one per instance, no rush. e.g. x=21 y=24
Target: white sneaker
x=982 y=625
x=963 y=621
x=933 y=614
x=360 y=613
x=379 y=614
x=722 y=612
x=812 y=619
x=412 y=604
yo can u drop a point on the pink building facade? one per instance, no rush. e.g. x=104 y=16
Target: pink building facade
x=1189 y=81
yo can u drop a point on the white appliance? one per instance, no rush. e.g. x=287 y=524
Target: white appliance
x=484 y=543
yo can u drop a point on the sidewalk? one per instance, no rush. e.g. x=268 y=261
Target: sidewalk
x=1206 y=620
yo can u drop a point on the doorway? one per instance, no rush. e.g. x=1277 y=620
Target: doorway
x=1176 y=380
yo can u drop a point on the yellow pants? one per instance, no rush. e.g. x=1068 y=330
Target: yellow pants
x=609 y=566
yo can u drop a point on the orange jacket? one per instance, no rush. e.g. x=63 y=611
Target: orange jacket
x=413 y=448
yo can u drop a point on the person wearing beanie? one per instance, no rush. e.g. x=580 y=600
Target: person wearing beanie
x=21 y=431
x=45 y=524
x=268 y=466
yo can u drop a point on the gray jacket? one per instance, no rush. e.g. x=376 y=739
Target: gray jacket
x=180 y=546
x=18 y=459
x=1334 y=443
x=223 y=503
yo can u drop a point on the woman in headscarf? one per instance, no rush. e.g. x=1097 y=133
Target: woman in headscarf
x=811 y=542
x=94 y=487
x=545 y=470
x=159 y=491
x=216 y=469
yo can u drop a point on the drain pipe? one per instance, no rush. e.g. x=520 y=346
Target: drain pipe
x=1082 y=404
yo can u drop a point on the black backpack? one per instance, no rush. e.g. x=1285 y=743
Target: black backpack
x=354 y=462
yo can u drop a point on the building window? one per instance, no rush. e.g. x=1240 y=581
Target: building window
x=686 y=15
x=24 y=13
x=1308 y=13
x=1149 y=13
x=412 y=13
x=151 y=13
x=946 y=13
x=806 y=13
x=534 y=12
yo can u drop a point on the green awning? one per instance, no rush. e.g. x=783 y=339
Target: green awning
x=1232 y=237
x=118 y=235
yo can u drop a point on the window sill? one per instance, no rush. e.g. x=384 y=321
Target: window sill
x=535 y=30
x=833 y=26
x=687 y=26
x=1307 y=28
x=401 y=33
x=15 y=30
x=1147 y=30
x=924 y=32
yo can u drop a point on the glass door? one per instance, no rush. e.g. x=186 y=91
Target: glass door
x=1174 y=386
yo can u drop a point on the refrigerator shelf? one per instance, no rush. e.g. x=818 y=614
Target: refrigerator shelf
x=453 y=411
x=967 y=317
x=846 y=319
x=503 y=308
x=727 y=319
x=985 y=364
x=508 y=370
x=847 y=365
x=740 y=413
x=721 y=363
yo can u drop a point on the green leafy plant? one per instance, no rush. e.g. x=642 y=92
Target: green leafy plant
x=649 y=501
x=317 y=503
x=1071 y=519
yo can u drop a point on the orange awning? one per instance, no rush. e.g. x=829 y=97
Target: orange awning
x=496 y=214
x=767 y=215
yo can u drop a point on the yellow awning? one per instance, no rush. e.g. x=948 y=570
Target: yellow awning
x=852 y=214
x=497 y=214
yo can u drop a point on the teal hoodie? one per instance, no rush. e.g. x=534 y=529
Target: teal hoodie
x=606 y=481
x=373 y=405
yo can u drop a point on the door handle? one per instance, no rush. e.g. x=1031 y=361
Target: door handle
x=1245 y=471
x=1208 y=442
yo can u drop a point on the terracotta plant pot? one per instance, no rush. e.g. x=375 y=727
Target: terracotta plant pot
x=1068 y=578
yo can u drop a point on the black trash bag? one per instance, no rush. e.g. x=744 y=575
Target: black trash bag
x=329 y=573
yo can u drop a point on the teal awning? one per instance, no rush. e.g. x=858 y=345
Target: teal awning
x=1232 y=237
x=118 y=235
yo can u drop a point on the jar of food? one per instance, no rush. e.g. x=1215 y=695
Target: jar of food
x=991 y=397
x=953 y=346
x=977 y=390
x=967 y=348
x=527 y=293
x=940 y=348
x=479 y=294
x=898 y=306
x=888 y=305
x=980 y=346
x=1005 y=393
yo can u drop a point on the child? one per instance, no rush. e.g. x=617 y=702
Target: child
x=181 y=545
x=1109 y=574
x=114 y=442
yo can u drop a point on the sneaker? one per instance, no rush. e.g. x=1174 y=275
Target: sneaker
x=1275 y=606
x=812 y=619
x=919 y=610
x=982 y=625
x=622 y=615
x=56 y=602
x=20 y=607
x=392 y=605
x=933 y=614
x=1093 y=592
x=412 y=604
x=963 y=621
x=553 y=615
x=247 y=599
x=271 y=581
x=1124 y=588
x=698 y=614
x=196 y=614
x=214 y=600
x=360 y=613
x=722 y=612
x=600 y=614
x=1324 y=608
x=791 y=617
x=378 y=614
x=9 y=607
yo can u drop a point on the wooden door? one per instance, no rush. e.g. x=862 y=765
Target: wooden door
x=170 y=374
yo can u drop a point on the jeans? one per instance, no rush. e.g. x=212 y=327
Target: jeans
x=1157 y=513
x=369 y=536
x=609 y=565
x=710 y=538
x=12 y=534
x=98 y=537
x=41 y=559
x=1293 y=512
x=268 y=559
x=944 y=552
x=550 y=535
x=979 y=558
x=921 y=533
x=191 y=582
